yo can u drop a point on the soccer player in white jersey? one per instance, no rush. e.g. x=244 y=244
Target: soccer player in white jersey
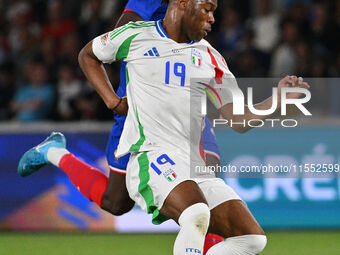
x=163 y=58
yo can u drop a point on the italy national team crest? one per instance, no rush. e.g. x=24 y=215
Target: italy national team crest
x=196 y=57
x=170 y=175
x=103 y=40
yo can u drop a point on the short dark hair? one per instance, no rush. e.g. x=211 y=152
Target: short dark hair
x=165 y=1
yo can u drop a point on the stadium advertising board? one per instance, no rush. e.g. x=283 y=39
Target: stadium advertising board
x=48 y=201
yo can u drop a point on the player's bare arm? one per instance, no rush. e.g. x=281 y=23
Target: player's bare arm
x=97 y=76
x=288 y=81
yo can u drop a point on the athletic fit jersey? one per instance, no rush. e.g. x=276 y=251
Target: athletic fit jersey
x=166 y=82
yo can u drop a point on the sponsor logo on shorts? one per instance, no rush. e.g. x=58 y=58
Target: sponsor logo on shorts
x=193 y=251
x=170 y=175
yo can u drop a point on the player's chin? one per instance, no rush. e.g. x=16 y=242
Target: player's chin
x=199 y=36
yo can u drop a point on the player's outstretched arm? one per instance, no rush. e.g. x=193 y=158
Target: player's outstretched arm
x=288 y=81
x=97 y=76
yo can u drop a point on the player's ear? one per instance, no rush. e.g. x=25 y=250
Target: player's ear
x=182 y=4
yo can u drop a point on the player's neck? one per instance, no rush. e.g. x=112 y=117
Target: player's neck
x=172 y=25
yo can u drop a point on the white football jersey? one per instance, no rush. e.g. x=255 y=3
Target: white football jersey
x=166 y=81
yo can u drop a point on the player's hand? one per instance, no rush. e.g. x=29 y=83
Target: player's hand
x=292 y=82
x=122 y=107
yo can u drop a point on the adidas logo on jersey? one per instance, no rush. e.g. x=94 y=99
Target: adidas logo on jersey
x=152 y=53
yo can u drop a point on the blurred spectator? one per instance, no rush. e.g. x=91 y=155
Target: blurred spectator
x=231 y=32
x=7 y=89
x=4 y=44
x=28 y=47
x=252 y=62
x=319 y=66
x=256 y=37
x=325 y=31
x=266 y=27
x=93 y=21
x=69 y=50
x=19 y=17
x=284 y=60
x=48 y=56
x=57 y=26
x=23 y=32
x=68 y=88
x=3 y=47
x=248 y=66
x=34 y=100
x=104 y=9
x=299 y=14
x=243 y=8
x=304 y=59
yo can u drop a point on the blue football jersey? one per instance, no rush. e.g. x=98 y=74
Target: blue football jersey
x=148 y=9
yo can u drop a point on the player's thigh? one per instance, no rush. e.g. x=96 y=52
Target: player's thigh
x=181 y=197
x=116 y=198
x=116 y=189
x=233 y=218
x=230 y=216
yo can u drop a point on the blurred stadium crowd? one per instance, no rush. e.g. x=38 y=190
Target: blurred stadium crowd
x=39 y=42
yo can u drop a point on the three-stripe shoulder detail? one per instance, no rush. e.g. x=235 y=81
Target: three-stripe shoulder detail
x=131 y=25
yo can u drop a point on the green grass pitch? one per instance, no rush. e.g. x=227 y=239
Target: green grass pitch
x=279 y=243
